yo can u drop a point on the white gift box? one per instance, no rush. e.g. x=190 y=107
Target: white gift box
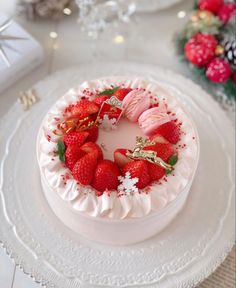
x=23 y=55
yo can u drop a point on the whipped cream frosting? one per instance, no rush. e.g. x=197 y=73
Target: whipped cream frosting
x=110 y=205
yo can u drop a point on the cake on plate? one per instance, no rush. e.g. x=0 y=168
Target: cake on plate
x=117 y=158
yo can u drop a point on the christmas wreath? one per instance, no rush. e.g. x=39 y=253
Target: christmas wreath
x=208 y=45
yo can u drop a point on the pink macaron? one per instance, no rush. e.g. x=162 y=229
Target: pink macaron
x=152 y=119
x=135 y=103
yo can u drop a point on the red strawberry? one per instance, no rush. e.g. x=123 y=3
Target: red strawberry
x=83 y=170
x=72 y=155
x=138 y=169
x=93 y=148
x=100 y=99
x=121 y=93
x=210 y=5
x=170 y=131
x=164 y=150
x=93 y=134
x=200 y=49
x=84 y=106
x=75 y=138
x=218 y=70
x=120 y=157
x=106 y=176
x=156 y=172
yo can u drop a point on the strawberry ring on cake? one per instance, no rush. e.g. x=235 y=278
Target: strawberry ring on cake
x=117 y=148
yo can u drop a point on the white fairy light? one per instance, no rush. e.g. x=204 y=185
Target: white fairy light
x=119 y=39
x=181 y=14
x=67 y=11
x=53 y=35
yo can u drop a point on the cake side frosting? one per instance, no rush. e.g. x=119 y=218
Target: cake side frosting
x=111 y=205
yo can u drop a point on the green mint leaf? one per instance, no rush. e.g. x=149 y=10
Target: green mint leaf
x=173 y=160
x=109 y=91
x=61 y=150
x=168 y=171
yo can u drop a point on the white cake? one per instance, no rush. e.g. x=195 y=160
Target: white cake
x=138 y=207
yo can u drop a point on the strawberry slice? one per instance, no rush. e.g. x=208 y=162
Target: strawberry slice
x=84 y=168
x=92 y=148
x=120 y=157
x=84 y=106
x=100 y=99
x=170 y=131
x=106 y=176
x=93 y=134
x=164 y=150
x=72 y=155
x=122 y=92
x=138 y=169
x=75 y=138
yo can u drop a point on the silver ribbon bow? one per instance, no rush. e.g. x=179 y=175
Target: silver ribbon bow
x=4 y=38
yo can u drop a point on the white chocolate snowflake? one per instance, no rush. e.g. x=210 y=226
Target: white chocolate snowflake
x=128 y=184
x=107 y=124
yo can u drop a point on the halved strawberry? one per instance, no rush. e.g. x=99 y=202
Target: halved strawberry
x=106 y=176
x=164 y=150
x=84 y=106
x=93 y=134
x=75 y=138
x=138 y=169
x=158 y=139
x=170 y=131
x=100 y=99
x=93 y=148
x=84 y=168
x=121 y=93
x=72 y=155
x=120 y=157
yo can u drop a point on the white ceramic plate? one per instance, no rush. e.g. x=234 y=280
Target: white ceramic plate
x=181 y=256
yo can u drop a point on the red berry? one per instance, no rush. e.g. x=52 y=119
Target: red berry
x=100 y=99
x=84 y=106
x=72 y=155
x=170 y=131
x=93 y=148
x=218 y=70
x=210 y=5
x=227 y=11
x=234 y=77
x=138 y=169
x=93 y=134
x=75 y=138
x=106 y=176
x=200 y=49
x=164 y=150
x=120 y=157
x=121 y=93
x=84 y=168
x=156 y=172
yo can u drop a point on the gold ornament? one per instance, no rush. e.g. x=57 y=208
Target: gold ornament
x=203 y=16
x=150 y=156
x=219 y=50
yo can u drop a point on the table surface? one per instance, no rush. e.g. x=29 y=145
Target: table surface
x=72 y=47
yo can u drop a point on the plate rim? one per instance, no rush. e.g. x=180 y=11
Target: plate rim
x=221 y=255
